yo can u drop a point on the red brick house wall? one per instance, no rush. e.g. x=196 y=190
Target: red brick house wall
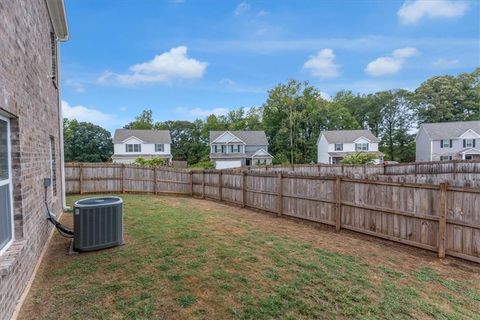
x=30 y=98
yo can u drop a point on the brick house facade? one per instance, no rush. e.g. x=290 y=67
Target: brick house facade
x=29 y=102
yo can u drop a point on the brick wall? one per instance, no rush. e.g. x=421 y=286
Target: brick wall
x=28 y=93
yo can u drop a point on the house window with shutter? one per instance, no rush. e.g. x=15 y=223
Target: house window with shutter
x=445 y=158
x=361 y=146
x=159 y=147
x=133 y=148
x=446 y=143
x=338 y=146
x=469 y=143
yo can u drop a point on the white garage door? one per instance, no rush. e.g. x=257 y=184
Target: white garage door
x=228 y=164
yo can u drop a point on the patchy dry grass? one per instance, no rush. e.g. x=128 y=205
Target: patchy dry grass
x=193 y=259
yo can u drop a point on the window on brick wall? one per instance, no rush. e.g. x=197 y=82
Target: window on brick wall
x=6 y=207
x=53 y=165
x=53 y=47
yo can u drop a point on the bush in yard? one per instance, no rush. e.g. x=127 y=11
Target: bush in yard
x=154 y=162
x=202 y=165
x=359 y=158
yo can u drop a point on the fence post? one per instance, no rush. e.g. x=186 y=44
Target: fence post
x=220 y=191
x=280 y=194
x=442 y=222
x=338 y=204
x=123 y=178
x=203 y=184
x=81 y=179
x=191 y=183
x=244 y=189
x=155 y=180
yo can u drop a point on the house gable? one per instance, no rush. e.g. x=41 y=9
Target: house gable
x=228 y=137
x=132 y=140
x=261 y=153
x=470 y=134
x=362 y=140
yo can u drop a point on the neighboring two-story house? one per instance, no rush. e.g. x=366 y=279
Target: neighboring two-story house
x=128 y=145
x=31 y=140
x=233 y=149
x=333 y=146
x=448 y=141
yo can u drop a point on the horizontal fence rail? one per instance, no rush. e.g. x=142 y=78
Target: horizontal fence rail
x=440 y=218
x=455 y=173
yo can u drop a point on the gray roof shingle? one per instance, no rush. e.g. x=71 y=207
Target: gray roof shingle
x=249 y=137
x=147 y=136
x=348 y=136
x=448 y=130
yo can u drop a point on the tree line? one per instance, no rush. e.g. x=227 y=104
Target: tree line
x=295 y=113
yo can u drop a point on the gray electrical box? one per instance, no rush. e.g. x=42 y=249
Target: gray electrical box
x=97 y=223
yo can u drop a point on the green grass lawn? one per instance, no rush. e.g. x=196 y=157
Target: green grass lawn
x=194 y=259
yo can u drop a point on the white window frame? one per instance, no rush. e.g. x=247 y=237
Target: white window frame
x=157 y=149
x=9 y=182
x=445 y=158
x=446 y=143
x=361 y=146
x=467 y=142
x=338 y=144
x=133 y=147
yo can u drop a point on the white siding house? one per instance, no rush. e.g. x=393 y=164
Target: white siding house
x=448 y=141
x=333 y=146
x=129 y=145
x=233 y=149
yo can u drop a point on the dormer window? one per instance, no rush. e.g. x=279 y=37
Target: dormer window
x=361 y=146
x=338 y=146
x=133 y=147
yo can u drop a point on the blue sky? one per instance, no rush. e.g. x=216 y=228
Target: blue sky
x=185 y=59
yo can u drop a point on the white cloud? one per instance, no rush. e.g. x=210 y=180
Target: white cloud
x=323 y=65
x=241 y=8
x=201 y=113
x=227 y=82
x=82 y=113
x=390 y=65
x=164 y=68
x=76 y=85
x=413 y=11
x=262 y=13
x=445 y=63
x=405 y=53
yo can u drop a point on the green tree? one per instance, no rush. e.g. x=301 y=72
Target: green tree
x=293 y=116
x=86 y=142
x=142 y=121
x=397 y=123
x=449 y=98
x=187 y=141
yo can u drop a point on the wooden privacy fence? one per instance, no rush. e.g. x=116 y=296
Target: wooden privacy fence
x=457 y=173
x=440 y=218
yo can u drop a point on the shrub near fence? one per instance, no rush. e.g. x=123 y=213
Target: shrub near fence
x=440 y=218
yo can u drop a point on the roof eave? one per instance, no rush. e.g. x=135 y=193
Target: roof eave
x=58 y=16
